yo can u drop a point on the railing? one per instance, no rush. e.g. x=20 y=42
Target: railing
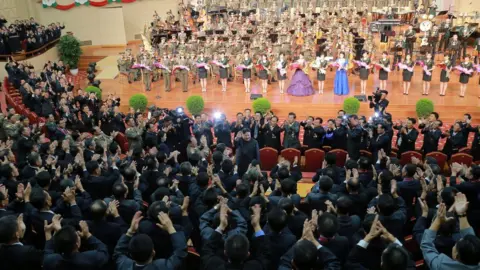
x=26 y=55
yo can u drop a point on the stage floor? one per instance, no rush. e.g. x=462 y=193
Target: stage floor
x=450 y=107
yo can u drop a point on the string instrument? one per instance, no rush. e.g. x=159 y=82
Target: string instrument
x=299 y=40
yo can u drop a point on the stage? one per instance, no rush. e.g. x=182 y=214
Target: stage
x=450 y=107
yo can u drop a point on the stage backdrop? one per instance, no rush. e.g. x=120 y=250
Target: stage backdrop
x=113 y=24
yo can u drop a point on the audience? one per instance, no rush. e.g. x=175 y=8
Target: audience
x=68 y=193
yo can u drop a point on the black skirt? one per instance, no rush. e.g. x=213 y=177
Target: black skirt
x=407 y=75
x=364 y=74
x=223 y=73
x=247 y=73
x=382 y=75
x=426 y=78
x=263 y=74
x=464 y=78
x=202 y=73
x=321 y=76
x=281 y=77
x=443 y=76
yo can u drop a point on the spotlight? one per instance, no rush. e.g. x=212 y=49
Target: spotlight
x=179 y=110
x=344 y=117
x=376 y=114
x=217 y=115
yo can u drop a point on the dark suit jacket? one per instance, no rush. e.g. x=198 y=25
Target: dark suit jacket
x=380 y=142
x=354 y=140
x=280 y=243
x=100 y=187
x=213 y=257
x=325 y=260
x=95 y=258
x=453 y=143
x=173 y=262
x=408 y=140
x=339 y=246
x=20 y=257
x=430 y=140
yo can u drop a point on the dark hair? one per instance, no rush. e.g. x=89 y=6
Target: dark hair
x=65 y=240
x=277 y=219
x=288 y=186
x=283 y=173
x=327 y=225
x=43 y=179
x=92 y=166
x=468 y=249
x=242 y=190
x=292 y=114
x=304 y=255
x=202 y=179
x=38 y=198
x=436 y=115
x=325 y=183
x=331 y=159
x=119 y=190
x=8 y=228
x=98 y=209
x=286 y=204
x=155 y=209
x=410 y=169
x=395 y=257
x=141 y=248
x=129 y=174
x=227 y=166
x=469 y=116
x=386 y=204
x=351 y=164
x=186 y=168
x=237 y=248
x=217 y=157
x=344 y=204
x=364 y=163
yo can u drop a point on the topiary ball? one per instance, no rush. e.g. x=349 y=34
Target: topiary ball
x=195 y=104
x=94 y=89
x=351 y=105
x=138 y=102
x=424 y=107
x=262 y=105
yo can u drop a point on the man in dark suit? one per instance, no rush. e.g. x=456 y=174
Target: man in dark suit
x=126 y=207
x=455 y=140
x=64 y=249
x=24 y=144
x=406 y=137
x=380 y=142
x=279 y=236
x=354 y=137
x=107 y=232
x=409 y=188
x=327 y=228
x=98 y=185
x=141 y=250
x=34 y=162
x=13 y=254
x=236 y=248
x=431 y=136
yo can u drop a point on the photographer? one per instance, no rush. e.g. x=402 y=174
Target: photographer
x=222 y=131
x=379 y=101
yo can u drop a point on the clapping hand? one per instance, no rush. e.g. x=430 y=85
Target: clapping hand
x=134 y=224
x=165 y=223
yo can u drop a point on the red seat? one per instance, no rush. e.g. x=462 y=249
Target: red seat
x=465 y=150
x=461 y=158
x=32 y=117
x=341 y=156
x=290 y=154
x=365 y=153
x=314 y=159
x=407 y=157
x=268 y=158
x=440 y=157
x=122 y=141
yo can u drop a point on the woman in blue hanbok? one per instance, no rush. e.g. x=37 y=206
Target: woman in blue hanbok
x=340 y=86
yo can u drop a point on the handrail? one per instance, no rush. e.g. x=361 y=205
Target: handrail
x=30 y=53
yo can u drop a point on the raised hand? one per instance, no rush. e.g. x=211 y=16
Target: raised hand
x=84 y=231
x=461 y=204
x=374 y=232
x=134 y=224
x=255 y=219
x=165 y=223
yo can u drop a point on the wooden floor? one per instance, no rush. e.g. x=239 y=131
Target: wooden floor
x=450 y=107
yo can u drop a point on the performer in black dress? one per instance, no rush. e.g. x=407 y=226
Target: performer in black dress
x=445 y=74
x=364 y=72
x=427 y=73
x=465 y=76
x=264 y=66
x=247 y=71
x=321 y=66
x=281 y=72
x=407 y=74
x=384 y=70
x=223 y=70
x=202 y=71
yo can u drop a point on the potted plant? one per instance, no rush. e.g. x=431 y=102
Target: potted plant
x=70 y=52
x=94 y=89
x=138 y=102
x=424 y=107
x=262 y=105
x=195 y=104
x=351 y=105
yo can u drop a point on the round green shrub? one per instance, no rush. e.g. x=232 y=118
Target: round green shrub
x=351 y=105
x=70 y=50
x=424 y=107
x=138 y=102
x=262 y=105
x=96 y=90
x=195 y=104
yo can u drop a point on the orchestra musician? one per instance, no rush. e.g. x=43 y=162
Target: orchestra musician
x=464 y=34
x=398 y=46
x=454 y=48
x=167 y=62
x=410 y=39
x=445 y=28
x=445 y=74
x=433 y=38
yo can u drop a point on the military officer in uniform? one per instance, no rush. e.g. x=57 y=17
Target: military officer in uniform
x=183 y=73
x=146 y=59
x=445 y=28
x=168 y=63
x=454 y=48
x=409 y=36
x=399 y=45
x=464 y=34
x=134 y=134
x=433 y=38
